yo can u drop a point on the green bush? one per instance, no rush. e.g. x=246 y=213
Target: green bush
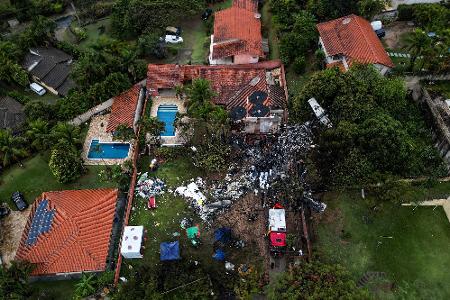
x=19 y=97
x=299 y=65
x=170 y=153
x=65 y=163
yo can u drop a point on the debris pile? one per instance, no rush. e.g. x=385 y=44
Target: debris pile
x=146 y=187
x=261 y=166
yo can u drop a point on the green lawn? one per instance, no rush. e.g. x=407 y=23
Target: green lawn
x=35 y=177
x=62 y=289
x=93 y=32
x=410 y=245
x=164 y=221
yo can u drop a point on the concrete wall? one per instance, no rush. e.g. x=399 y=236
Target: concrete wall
x=435 y=109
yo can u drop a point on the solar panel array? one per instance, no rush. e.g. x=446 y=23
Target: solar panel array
x=42 y=222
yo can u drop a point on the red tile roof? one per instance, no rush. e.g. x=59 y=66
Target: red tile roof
x=79 y=236
x=124 y=109
x=353 y=37
x=237 y=31
x=251 y=5
x=231 y=82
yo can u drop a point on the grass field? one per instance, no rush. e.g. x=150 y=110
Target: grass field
x=163 y=224
x=58 y=290
x=35 y=177
x=410 y=245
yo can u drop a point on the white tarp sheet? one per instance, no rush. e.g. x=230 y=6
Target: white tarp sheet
x=277 y=220
x=132 y=241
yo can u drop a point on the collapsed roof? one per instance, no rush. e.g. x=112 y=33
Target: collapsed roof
x=234 y=84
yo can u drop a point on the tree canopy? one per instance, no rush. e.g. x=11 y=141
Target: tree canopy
x=315 y=280
x=377 y=130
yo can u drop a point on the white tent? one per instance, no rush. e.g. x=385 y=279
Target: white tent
x=277 y=221
x=132 y=241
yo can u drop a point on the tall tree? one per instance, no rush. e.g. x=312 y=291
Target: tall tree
x=416 y=44
x=64 y=132
x=38 y=133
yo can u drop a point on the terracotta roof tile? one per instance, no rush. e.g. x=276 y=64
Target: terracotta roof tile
x=250 y=5
x=237 y=31
x=79 y=236
x=124 y=109
x=231 y=82
x=353 y=37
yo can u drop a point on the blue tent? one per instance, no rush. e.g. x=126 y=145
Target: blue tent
x=222 y=235
x=219 y=255
x=169 y=251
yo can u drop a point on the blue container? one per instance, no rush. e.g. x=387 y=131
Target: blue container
x=108 y=150
x=167 y=114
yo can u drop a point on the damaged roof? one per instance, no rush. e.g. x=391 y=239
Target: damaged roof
x=355 y=38
x=124 y=108
x=79 y=235
x=232 y=83
x=51 y=66
x=12 y=114
x=232 y=37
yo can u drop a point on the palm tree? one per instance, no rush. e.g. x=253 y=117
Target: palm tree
x=38 y=133
x=85 y=286
x=11 y=147
x=416 y=44
x=199 y=95
x=66 y=132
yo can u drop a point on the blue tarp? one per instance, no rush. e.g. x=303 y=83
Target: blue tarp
x=219 y=255
x=222 y=235
x=169 y=251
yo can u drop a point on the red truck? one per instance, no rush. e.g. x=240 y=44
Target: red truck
x=277 y=230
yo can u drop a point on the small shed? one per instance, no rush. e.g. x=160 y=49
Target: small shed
x=132 y=241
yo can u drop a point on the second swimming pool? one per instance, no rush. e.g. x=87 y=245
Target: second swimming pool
x=167 y=114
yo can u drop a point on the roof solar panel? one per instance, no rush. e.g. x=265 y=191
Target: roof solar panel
x=41 y=223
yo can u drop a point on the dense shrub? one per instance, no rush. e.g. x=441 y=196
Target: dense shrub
x=65 y=163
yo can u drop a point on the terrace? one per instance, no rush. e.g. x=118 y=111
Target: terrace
x=99 y=146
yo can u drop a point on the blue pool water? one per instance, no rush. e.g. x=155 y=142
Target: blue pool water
x=108 y=150
x=166 y=114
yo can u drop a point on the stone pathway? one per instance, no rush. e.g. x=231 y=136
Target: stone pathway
x=445 y=203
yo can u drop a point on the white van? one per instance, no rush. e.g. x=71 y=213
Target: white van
x=37 y=89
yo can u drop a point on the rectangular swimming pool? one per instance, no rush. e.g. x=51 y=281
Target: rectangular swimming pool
x=99 y=150
x=167 y=114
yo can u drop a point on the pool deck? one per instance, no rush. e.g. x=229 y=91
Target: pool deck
x=164 y=100
x=97 y=131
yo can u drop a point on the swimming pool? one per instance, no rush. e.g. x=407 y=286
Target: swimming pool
x=166 y=114
x=99 y=150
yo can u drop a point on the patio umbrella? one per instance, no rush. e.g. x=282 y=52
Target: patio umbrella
x=257 y=97
x=259 y=110
x=238 y=113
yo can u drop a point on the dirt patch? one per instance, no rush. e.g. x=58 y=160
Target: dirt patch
x=253 y=232
x=11 y=232
x=394 y=33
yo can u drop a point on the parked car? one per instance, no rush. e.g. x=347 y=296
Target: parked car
x=4 y=210
x=171 y=30
x=37 y=89
x=19 y=200
x=172 y=39
x=206 y=14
